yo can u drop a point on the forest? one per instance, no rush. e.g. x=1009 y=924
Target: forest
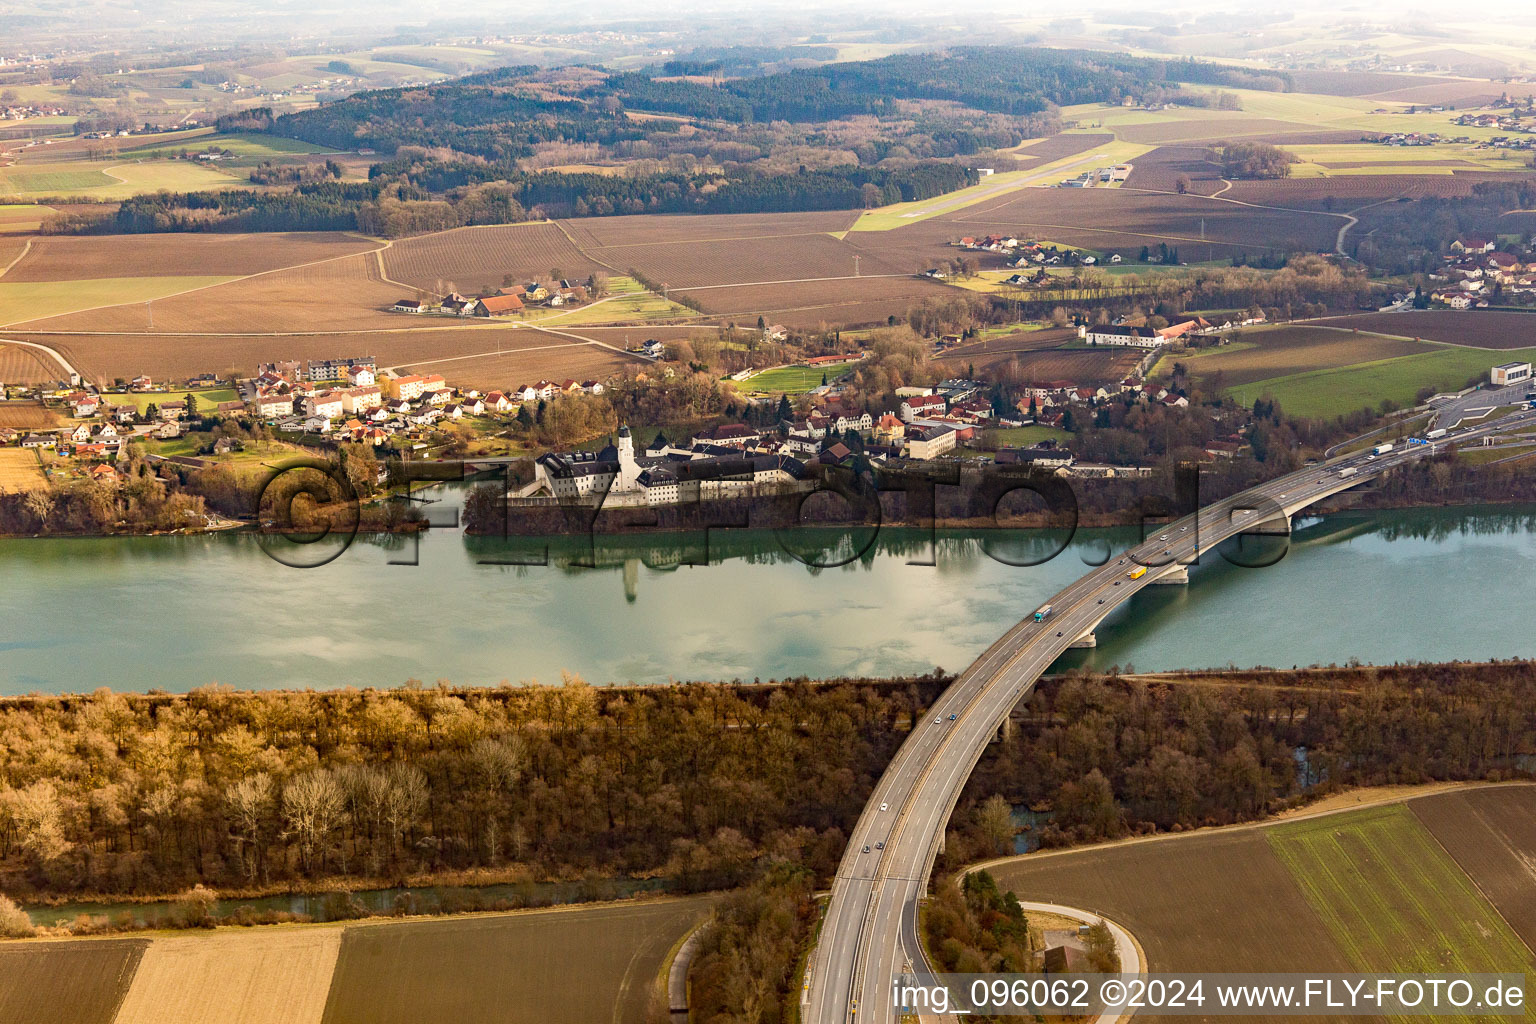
x=503 y=113
x=705 y=785
x=415 y=196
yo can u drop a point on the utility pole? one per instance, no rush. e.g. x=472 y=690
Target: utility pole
x=149 y=307
x=856 y=265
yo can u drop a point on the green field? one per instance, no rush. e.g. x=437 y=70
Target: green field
x=1016 y=437
x=246 y=148
x=1329 y=393
x=1392 y=898
x=626 y=301
x=34 y=300
x=111 y=179
x=206 y=400
x=793 y=379
x=52 y=178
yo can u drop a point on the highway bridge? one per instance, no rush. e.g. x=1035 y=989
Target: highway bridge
x=870 y=935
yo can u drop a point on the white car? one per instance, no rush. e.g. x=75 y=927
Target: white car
x=884 y=807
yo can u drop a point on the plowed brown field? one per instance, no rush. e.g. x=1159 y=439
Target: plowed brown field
x=471 y=260
x=694 y=264
x=108 y=356
x=650 y=228
x=1476 y=328
x=78 y=982
x=337 y=295
x=1491 y=834
x=20 y=365
x=67 y=258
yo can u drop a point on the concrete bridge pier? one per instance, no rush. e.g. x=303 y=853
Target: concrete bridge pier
x=1279 y=526
x=1178 y=574
x=1088 y=639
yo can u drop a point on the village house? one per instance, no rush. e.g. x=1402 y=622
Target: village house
x=410 y=306
x=273 y=405
x=328 y=405
x=890 y=429
x=496 y=305
x=360 y=399
x=361 y=376
x=497 y=402
x=407 y=388
x=172 y=410
x=930 y=442
x=919 y=406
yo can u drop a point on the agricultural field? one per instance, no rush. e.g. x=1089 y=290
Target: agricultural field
x=793 y=380
x=1349 y=191
x=1023 y=437
x=20 y=470
x=79 y=258
x=21 y=365
x=333 y=295
x=649 y=229
x=246 y=149
x=480 y=259
x=27 y=416
x=1267 y=352
x=563 y=966
x=1359 y=890
x=1057 y=147
x=20 y=218
x=1083 y=366
x=109 y=356
x=1392 y=898
x=1331 y=392
x=1491 y=834
x=81 y=981
x=778 y=258
x=112 y=179
x=270 y=975
x=1006 y=183
x=1212 y=129
x=857 y=301
x=1159 y=170
x=1476 y=328
x=27 y=301
x=206 y=401
x=548 y=356
x=626 y=302
x=1124 y=219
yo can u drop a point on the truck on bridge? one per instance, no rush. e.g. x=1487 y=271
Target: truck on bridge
x=1137 y=573
x=1382 y=449
x=1348 y=471
x=1043 y=612
x=1437 y=433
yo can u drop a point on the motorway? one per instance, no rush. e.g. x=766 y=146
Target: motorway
x=869 y=935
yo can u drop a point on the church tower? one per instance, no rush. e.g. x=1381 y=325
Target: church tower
x=629 y=469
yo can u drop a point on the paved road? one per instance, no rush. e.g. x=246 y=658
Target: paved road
x=869 y=934
x=1451 y=411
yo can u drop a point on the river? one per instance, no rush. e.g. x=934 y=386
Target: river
x=178 y=612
